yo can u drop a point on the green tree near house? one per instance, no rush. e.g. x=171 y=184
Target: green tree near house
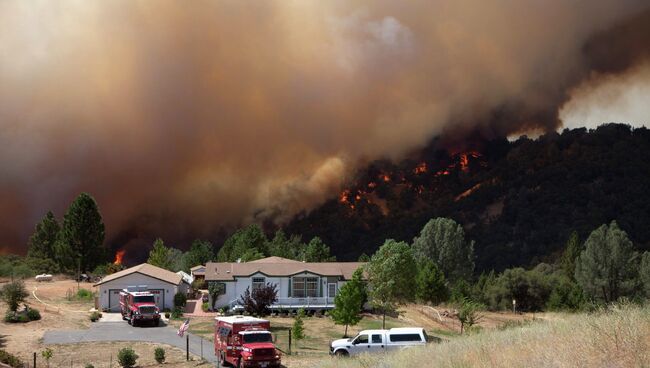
x=215 y=289
x=571 y=253
x=298 y=330
x=317 y=251
x=199 y=254
x=431 y=285
x=42 y=243
x=349 y=302
x=80 y=245
x=391 y=277
x=160 y=255
x=247 y=244
x=607 y=268
x=442 y=240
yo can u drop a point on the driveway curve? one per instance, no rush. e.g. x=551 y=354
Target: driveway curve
x=122 y=331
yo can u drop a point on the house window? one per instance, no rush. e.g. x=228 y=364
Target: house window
x=305 y=287
x=258 y=283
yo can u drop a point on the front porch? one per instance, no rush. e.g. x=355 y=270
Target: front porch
x=294 y=304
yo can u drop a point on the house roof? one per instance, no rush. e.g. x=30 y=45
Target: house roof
x=145 y=269
x=277 y=266
x=196 y=267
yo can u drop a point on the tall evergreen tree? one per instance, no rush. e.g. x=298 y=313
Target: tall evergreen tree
x=391 y=276
x=442 y=240
x=82 y=234
x=349 y=302
x=607 y=268
x=161 y=256
x=571 y=252
x=431 y=286
x=42 y=242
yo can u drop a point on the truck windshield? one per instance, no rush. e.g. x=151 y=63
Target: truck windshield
x=257 y=337
x=143 y=299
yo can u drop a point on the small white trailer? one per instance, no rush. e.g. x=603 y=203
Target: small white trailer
x=43 y=277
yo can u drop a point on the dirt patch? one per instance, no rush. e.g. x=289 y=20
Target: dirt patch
x=105 y=355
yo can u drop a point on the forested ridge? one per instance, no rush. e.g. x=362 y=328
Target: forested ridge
x=519 y=201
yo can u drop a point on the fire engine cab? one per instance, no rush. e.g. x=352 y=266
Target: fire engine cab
x=138 y=307
x=245 y=342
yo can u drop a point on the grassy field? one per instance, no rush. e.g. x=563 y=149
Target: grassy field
x=617 y=337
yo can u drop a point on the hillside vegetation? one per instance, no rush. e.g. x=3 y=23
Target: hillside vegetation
x=615 y=337
x=519 y=201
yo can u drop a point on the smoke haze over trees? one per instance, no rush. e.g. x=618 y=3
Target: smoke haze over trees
x=185 y=119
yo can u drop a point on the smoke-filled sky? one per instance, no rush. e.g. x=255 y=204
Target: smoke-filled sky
x=184 y=117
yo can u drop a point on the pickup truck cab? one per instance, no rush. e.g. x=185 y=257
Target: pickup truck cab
x=375 y=341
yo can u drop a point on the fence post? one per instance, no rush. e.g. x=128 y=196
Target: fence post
x=289 y=351
x=34 y=359
x=201 y=347
x=110 y=364
x=187 y=348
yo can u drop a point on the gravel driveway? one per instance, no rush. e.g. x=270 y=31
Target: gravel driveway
x=122 y=331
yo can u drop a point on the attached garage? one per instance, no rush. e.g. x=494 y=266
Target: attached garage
x=162 y=283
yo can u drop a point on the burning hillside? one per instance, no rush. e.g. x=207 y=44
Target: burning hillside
x=518 y=200
x=421 y=178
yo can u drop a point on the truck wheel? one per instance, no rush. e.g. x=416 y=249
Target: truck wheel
x=341 y=353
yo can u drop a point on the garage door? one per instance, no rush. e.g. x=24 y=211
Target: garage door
x=114 y=299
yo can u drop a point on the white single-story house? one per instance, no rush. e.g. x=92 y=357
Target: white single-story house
x=311 y=286
x=162 y=283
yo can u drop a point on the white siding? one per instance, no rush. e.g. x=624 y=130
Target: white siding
x=165 y=298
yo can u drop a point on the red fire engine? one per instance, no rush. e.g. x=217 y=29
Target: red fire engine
x=245 y=342
x=138 y=307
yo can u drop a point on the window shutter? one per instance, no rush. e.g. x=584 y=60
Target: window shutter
x=289 y=294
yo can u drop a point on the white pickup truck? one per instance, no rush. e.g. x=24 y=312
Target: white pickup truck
x=374 y=341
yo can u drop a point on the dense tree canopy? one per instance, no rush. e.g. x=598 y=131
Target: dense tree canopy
x=607 y=268
x=442 y=241
x=391 y=276
x=81 y=240
x=42 y=242
x=161 y=256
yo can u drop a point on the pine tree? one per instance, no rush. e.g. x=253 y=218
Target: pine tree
x=298 y=330
x=82 y=235
x=246 y=244
x=199 y=254
x=442 y=240
x=431 y=286
x=42 y=242
x=571 y=252
x=160 y=255
x=349 y=302
x=607 y=268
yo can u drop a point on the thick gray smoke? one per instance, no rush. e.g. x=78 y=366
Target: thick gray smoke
x=185 y=117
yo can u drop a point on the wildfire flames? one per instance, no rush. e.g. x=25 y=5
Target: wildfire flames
x=412 y=179
x=118 y=257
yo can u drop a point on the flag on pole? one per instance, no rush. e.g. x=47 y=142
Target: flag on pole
x=183 y=328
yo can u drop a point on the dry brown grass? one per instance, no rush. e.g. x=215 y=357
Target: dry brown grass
x=616 y=337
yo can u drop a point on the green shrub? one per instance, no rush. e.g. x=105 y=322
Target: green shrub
x=177 y=313
x=198 y=284
x=95 y=316
x=159 y=355
x=33 y=314
x=167 y=315
x=89 y=366
x=23 y=318
x=84 y=294
x=10 y=359
x=205 y=307
x=127 y=357
x=180 y=299
x=298 y=331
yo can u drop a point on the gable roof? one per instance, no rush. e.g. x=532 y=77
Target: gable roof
x=278 y=267
x=196 y=267
x=147 y=270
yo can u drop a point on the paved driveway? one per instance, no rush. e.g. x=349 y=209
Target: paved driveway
x=122 y=331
